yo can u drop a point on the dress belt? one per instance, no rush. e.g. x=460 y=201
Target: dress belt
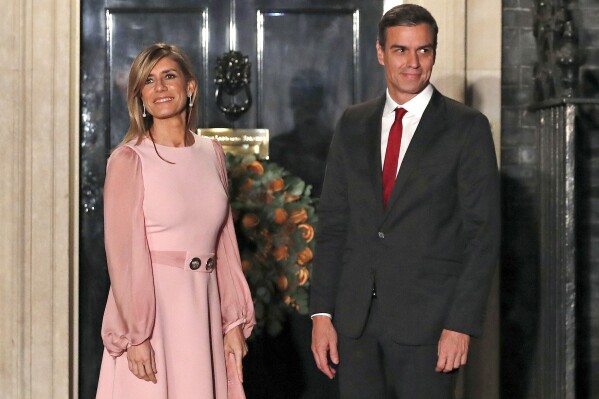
x=186 y=260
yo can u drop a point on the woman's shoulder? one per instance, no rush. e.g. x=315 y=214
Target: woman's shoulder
x=211 y=145
x=124 y=154
x=207 y=141
x=217 y=154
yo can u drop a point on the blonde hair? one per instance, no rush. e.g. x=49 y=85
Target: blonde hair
x=139 y=72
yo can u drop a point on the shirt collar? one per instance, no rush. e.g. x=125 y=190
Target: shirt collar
x=415 y=106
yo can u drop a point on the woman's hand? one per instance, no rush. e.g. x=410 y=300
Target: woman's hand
x=141 y=361
x=235 y=344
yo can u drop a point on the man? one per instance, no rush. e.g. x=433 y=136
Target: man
x=409 y=229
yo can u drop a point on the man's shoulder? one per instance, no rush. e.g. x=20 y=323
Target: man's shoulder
x=357 y=114
x=367 y=106
x=456 y=109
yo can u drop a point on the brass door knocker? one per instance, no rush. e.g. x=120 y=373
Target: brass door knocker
x=232 y=78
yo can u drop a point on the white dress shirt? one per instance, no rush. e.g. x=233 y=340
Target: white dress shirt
x=415 y=108
x=410 y=121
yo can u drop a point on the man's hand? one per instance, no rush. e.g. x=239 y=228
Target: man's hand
x=324 y=343
x=142 y=362
x=452 y=351
x=236 y=345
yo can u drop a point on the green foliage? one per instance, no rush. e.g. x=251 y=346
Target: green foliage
x=275 y=223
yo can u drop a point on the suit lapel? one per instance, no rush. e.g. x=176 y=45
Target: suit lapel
x=432 y=122
x=373 y=126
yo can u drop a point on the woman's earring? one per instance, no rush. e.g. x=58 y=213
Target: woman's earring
x=144 y=113
x=190 y=101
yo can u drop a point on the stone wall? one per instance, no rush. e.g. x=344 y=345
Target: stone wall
x=519 y=159
x=519 y=165
x=587 y=19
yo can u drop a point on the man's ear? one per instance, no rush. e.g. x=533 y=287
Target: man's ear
x=380 y=53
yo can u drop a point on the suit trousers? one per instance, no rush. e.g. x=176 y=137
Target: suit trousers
x=373 y=366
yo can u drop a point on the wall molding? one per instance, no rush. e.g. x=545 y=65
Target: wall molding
x=39 y=167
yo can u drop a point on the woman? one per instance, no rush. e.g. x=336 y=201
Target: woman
x=176 y=281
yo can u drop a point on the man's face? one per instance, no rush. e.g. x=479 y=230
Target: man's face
x=408 y=58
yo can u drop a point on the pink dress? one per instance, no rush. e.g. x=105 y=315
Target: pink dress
x=175 y=272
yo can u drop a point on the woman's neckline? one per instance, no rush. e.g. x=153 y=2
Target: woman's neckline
x=193 y=136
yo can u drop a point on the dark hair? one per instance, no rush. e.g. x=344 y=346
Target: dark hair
x=407 y=15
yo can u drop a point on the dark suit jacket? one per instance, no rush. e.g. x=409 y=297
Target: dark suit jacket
x=431 y=253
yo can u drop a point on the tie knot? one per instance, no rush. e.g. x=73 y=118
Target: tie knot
x=399 y=113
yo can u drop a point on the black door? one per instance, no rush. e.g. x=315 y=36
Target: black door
x=310 y=59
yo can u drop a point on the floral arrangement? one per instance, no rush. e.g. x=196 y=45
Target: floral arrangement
x=275 y=223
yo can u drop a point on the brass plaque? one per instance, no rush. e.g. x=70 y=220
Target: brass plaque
x=240 y=141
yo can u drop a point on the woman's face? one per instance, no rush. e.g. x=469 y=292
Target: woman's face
x=165 y=91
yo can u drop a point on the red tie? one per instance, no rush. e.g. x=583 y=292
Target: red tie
x=392 y=155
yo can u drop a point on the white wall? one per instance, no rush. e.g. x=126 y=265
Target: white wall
x=38 y=167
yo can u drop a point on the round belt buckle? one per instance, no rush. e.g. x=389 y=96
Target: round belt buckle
x=195 y=264
x=210 y=264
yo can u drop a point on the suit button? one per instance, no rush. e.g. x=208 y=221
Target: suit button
x=381 y=234
x=195 y=264
x=210 y=264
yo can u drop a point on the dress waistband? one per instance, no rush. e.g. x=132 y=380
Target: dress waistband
x=186 y=260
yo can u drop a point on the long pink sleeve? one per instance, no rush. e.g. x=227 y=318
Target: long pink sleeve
x=237 y=307
x=130 y=309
